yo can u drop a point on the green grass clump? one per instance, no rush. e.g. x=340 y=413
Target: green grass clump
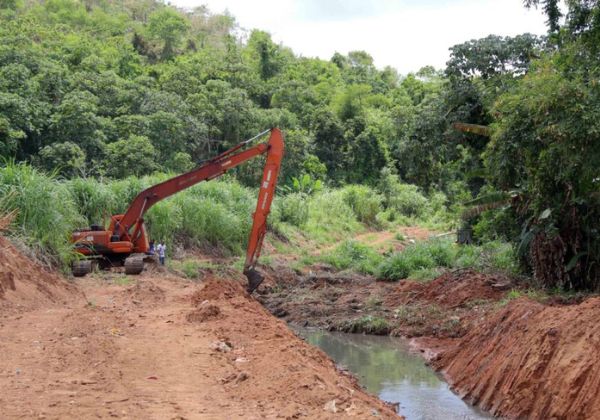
x=353 y=255
x=367 y=324
x=416 y=258
x=425 y=260
x=494 y=255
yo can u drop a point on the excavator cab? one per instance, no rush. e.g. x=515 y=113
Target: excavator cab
x=125 y=241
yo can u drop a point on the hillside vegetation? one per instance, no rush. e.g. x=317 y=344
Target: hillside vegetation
x=103 y=97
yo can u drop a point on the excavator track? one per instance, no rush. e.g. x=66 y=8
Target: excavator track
x=134 y=265
x=81 y=268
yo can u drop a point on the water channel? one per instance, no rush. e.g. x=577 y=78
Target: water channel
x=385 y=366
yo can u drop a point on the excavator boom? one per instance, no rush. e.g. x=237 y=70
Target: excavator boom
x=126 y=233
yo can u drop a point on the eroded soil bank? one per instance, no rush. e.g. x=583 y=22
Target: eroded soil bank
x=157 y=346
x=516 y=358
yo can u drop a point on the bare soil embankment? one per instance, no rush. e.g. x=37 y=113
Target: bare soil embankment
x=157 y=346
x=530 y=360
x=516 y=358
x=25 y=285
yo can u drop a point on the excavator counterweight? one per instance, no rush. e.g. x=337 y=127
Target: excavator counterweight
x=125 y=241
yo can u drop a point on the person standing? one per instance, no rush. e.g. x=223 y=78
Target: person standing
x=152 y=248
x=162 y=250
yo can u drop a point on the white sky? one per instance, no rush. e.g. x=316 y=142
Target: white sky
x=405 y=34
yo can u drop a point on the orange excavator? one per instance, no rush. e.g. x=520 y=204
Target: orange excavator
x=125 y=241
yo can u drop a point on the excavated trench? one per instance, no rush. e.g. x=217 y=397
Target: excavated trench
x=513 y=357
x=388 y=368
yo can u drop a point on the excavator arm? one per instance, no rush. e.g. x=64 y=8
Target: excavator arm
x=128 y=229
x=263 y=206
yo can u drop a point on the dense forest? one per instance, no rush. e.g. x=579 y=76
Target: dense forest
x=107 y=90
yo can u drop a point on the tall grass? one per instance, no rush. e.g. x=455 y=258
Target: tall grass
x=330 y=217
x=216 y=213
x=45 y=212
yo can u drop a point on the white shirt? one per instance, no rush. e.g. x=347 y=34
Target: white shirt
x=161 y=250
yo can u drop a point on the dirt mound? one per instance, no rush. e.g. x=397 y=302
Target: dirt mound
x=25 y=284
x=146 y=291
x=531 y=361
x=452 y=289
x=216 y=289
x=205 y=313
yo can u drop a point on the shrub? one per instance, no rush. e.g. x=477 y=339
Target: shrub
x=293 y=209
x=163 y=220
x=354 y=255
x=403 y=198
x=493 y=255
x=420 y=256
x=330 y=216
x=396 y=267
x=364 y=202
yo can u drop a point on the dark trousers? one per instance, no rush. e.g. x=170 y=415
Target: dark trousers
x=162 y=260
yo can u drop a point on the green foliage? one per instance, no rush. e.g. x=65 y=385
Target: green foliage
x=426 y=255
x=119 y=89
x=329 y=216
x=134 y=156
x=367 y=324
x=546 y=145
x=493 y=56
x=95 y=201
x=404 y=199
x=353 y=255
x=293 y=209
x=304 y=185
x=67 y=158
x=364 y=202
x=168 y=26
x=181 y=162
x=425 y=260
x=189 y=267
x=45 y=212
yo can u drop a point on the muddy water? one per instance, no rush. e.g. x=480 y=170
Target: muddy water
x=386 y=367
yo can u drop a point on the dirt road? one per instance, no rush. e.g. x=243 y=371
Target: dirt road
x=165 y=348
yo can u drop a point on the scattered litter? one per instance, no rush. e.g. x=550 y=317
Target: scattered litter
x=115 y=331
x=242 y=377
x=221 y=346
x=330 y=406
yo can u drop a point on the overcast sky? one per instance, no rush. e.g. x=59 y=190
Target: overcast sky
x=405 y=34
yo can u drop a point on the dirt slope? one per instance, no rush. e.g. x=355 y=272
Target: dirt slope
x=530 y=360
x=163 y=347
x=25 y=285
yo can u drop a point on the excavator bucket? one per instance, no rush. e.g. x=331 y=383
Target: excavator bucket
x=254 y=279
